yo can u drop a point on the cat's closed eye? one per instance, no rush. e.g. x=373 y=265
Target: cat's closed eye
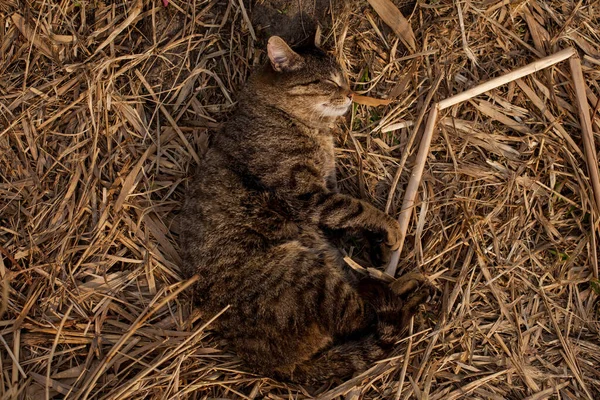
x=319 y=82
x=314 y=82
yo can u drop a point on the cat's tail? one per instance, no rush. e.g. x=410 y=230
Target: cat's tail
x=393 y=310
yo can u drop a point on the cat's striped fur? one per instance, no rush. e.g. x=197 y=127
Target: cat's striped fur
x=255 y=228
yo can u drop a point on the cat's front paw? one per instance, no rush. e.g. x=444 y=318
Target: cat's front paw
x=378 y=251
x=393 y=234
x=383 y=241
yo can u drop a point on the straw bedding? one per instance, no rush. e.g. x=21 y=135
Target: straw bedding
x=106 y=105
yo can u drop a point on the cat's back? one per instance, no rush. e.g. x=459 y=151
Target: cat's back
x=232 y=208
x=273 y=154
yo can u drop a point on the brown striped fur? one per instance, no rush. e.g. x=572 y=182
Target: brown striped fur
x=255 y=229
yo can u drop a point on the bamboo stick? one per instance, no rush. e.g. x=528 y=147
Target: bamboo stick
x=587 y=133
x=504 y=79
x=411 y=140
x=413 y=187
x=589 y=147
x=415 y=179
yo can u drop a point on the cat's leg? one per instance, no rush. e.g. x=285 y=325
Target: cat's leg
x=291 y=302
x=355 y=355
x=394 y=304
x=339 y=211
x=331 y=210
x=298 y=303
x=331 y=182
x=338 y=362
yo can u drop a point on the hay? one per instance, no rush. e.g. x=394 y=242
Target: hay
x=104 y=107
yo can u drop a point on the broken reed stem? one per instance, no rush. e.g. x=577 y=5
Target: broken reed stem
x=589 y=147
x=247 y=20
x=411 y=140
x=415 y=179
x=11 y=354
x=587 y=133
x=509 y=77
x=413 y=187
x=17 y=353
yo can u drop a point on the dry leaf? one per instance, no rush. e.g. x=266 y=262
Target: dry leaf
x=133 y=14
x=539 y=35
x=390 y=14
x=32 y=36
x=488 y=109
x=370 y=101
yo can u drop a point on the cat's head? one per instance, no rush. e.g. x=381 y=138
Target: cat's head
x=307 y=83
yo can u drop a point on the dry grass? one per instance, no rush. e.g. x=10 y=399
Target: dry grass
x=104 y=106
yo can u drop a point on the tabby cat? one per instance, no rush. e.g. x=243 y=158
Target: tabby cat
x=256 y=228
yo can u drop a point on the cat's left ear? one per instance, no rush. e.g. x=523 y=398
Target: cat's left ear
x=282 y=57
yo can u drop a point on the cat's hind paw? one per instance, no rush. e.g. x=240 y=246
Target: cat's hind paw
x=415 y=289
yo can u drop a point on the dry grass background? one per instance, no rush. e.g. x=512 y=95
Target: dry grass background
x=105 y=105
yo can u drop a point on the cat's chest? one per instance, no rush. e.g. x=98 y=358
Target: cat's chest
x=325 y=155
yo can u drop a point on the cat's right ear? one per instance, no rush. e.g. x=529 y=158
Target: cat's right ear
x=282 y=57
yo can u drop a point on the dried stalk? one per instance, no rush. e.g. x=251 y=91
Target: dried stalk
x=509 y=77
x=587 y=132
x=92 y=175
x=413 y=186
x=411 y=140
x=415 y=179
x=588 y=145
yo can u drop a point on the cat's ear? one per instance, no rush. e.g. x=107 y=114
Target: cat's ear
x=282 y=57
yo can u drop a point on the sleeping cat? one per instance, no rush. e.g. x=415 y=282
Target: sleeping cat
x=256 y=226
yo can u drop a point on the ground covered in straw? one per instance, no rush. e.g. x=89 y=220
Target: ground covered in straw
x=106 y=105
